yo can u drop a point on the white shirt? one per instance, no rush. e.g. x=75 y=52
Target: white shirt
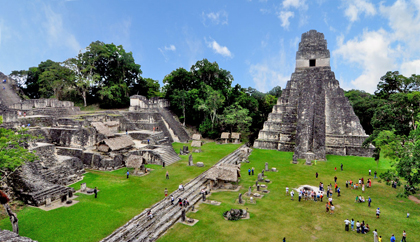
x=292 y=193
x=347 y=222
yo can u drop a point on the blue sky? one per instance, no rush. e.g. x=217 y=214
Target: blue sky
x=255 y=40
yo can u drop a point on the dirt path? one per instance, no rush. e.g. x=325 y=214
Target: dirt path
x=414 y=199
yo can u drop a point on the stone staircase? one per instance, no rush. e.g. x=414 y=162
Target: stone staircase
x=175 y=125
x=168 y=154
x=142 y=229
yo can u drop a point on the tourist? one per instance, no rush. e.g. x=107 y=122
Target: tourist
x=352 y=224
x=24 y=114
x=369 y=201
x=328 y=193
x=335 y=168
x=358 y=227
x=408 y=214
x=335 y=187
x=392 y=238
x=363 y=188
x=338 y=191
x=404 y=237
x=341 y=166
x=300 y=194
x=370 y=172
x=330 y=199
x=163 y=164
x=181 y=187
x=346 y=222
x=148 y=141
x=128 y=174
x=149 y=214
x=327 y=208
x=380 y=239
x=96 y=192
x=126 y=131
x=166 y=192
x=167 y=174
x=332 y=209
x=287 y=190
x=316 y=175
x=172 y=200
x=347 y=184
x=362 y=227
x=252 y=171
x=321 y=195
x=249 y=171
x=375 y=236
x=375 y=174
x=335 y=179
x=367 y=228
x=284 y=239
x=291 y=195
x=370 y=182
x=180 y=202
x=377 y=213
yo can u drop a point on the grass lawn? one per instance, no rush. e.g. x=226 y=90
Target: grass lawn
x=275 y=216
x=119 y=200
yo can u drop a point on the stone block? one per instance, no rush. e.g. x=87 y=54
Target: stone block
x=200 y=164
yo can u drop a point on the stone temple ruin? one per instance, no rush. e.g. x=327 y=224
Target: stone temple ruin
x=313 y=117
x=70 y=141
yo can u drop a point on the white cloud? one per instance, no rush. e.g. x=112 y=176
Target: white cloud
x=372 y=53
x=356 y=7
x=171 y=48
x=222 y=50
x=284 y=17
x=376 y=52
x=165 y=49
x=220 y=17
x=298 y=4
x=272 y=71
x=57 y=34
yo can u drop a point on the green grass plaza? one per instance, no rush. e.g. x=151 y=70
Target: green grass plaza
x=272 y=217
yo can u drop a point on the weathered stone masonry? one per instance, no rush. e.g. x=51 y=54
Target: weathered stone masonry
x=313 y=117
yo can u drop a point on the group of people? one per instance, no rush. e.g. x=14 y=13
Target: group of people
x=20 y=114
x=181 y=202
x=377 y=238
x=251 y=171
x=361 y=183
x=311 y=195
x=360 y=227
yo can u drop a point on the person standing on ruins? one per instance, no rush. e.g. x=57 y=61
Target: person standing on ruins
x=172 y=200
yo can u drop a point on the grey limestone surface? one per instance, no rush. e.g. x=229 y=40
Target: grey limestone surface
x=313 y=117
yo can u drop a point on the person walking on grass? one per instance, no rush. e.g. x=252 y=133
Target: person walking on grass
x=291 y=195
x=375 y=174
x=338 y=192
x=375 y=236
x=335 y=168
x=287 y=190
x=341 y=166
x=327 y=208
x=316 y=175
x=128 y=174
x=369 y=201
x=96 y=192
x=352 y=224
x=252 y=171
x=404 y=236
x=370 y=172
x=377 y=213
x=346 y=222
x=167 y=175
x=249 y=171
x=335 y=179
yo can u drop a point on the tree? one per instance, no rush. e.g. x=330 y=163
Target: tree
x=393 y=82
x=55 y=80
x=213 y=101
x=236 y=118
x=404 y=153
x=276 y=91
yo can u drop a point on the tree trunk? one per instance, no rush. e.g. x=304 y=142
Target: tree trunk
x=13 y=218
x=84 y=97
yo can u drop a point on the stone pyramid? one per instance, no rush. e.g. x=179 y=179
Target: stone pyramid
x=313 y=117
